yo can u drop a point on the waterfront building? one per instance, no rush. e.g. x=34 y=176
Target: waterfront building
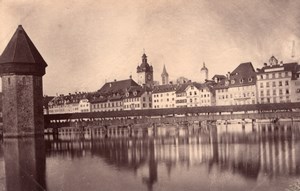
x=22 y=68
x=193 y=94
x=238 y=88
x=145 y=72
x=203 y=73
x=198 y=95
x=181 y=97
x=137 y=97
x=108 y=103
x=278 y=82
x=110 y=96
x=71 y=103
x=163 y=96
x=165 y=76
x=46 y=101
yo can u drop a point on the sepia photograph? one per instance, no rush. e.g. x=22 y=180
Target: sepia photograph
x=150 y=95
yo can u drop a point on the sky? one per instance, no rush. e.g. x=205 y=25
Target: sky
x=86 y=43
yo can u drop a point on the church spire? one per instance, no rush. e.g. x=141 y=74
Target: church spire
x=165 y=76
x=165 y=71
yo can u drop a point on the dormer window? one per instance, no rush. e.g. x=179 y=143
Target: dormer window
x=241 y=81
x=134 y=93
x=250 y=79
x=226 y=83
x=232 y=81
x=127 y=94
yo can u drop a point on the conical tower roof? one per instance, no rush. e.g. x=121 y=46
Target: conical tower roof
x=21 y=56
x=20 y=49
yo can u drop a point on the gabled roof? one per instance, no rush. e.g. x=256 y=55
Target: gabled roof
x=20 y=49
x=182 y=87
x=117 y=87
x=136 y=91
x=165 y=88
x=243 y=75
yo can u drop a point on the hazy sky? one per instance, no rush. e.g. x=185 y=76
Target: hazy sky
x=87 y=42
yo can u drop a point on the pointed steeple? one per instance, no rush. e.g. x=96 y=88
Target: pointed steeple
x=165 y=71
x=20 y=49
x=165 y=76
x=21 y=56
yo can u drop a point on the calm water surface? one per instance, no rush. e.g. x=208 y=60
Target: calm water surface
x=232 y=157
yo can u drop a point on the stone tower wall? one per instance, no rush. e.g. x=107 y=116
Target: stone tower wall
x=22 y=105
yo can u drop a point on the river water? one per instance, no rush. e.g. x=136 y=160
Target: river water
x=223 y=157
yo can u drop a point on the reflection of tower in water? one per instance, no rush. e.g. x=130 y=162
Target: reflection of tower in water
x=25 y=164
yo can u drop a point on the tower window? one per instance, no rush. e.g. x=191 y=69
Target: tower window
x=8 y=81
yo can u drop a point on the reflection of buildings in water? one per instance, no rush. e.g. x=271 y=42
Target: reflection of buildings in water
x=264 y=149
x=25 y=164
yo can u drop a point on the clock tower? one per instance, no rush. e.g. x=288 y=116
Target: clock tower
x=145 y=72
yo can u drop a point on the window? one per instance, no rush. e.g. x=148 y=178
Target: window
x=195 y=93
x=280 y=92
x=274 y=92
x=8 y=80
x=261 y=93
x=268 y=92
x=261 y=85
x=274 y=84
x=287 y=91
x=280 y=83
x=273 y=75
x=286 y=82
x=267 y=84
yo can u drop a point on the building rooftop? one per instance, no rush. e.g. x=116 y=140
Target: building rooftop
x=116 y=87
x=165 y=88
x=243 y=75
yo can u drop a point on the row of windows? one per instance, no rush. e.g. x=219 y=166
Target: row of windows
x=274 y=75
x=166 y=106
x=240 y=95
x=161 y=100
x=238 y=88
x=274 y=92
x=161 y=95
x=105 y=105
x=275 y=100
x=202 y=101
x=280 y=83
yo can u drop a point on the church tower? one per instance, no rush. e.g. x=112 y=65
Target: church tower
x=21 y=69
x=145 y=72
x=164 y=76
x=203 y=73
